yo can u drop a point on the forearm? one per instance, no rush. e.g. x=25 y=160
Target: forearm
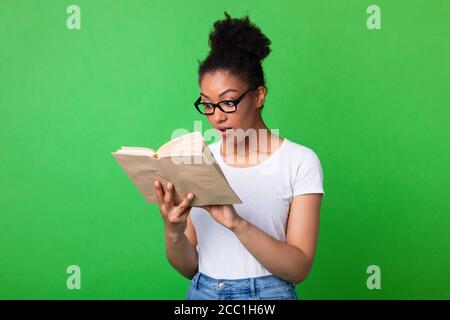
x=281 y=259
x=181 y=254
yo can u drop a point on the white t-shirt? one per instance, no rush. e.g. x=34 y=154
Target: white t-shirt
x=266 y=190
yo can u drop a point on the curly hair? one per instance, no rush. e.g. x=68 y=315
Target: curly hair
x=238 y=46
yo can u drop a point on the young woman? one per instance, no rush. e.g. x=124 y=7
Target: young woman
x=262 y=248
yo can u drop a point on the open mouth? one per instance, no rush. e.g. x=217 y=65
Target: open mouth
x=223 y=131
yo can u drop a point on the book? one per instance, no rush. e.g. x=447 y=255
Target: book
x=185 y=161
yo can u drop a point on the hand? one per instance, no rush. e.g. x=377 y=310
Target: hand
x=174 y=215
x=226 y=215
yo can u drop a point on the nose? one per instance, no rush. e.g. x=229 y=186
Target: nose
x=219 y=116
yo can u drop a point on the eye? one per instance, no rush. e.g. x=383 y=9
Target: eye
x=228 y=103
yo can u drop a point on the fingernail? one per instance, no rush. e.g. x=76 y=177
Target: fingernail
x=190 y=195
x=169 y=185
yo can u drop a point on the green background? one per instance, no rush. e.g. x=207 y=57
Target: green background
x=373 y=104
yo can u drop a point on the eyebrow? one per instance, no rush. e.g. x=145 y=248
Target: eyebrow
x=226 y=91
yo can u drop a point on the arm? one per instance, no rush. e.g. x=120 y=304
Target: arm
x=179 y=234
x=181 y=253
x=290 y=260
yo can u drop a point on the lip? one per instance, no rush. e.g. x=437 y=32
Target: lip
x=223 y=133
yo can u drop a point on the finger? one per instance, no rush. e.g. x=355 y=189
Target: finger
x=185 y=203
x=184 y=216
x=160 y=187
x=158 y=192
x=169 y=193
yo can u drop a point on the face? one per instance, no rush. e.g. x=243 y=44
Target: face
x=222 y=85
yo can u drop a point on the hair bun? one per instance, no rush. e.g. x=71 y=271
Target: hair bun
x=239 y=34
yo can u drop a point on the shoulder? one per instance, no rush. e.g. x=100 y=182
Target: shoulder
x=307 y=173
x=300 y=153
x=303 y=162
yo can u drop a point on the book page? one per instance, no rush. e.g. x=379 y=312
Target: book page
x=175 y=141
x=188 y=144
x=137 y=151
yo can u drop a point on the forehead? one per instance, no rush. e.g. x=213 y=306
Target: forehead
x=216 y=82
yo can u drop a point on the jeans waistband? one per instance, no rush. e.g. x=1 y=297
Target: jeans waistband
x=238 y=285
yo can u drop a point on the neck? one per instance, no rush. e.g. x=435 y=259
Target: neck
x=256 y=140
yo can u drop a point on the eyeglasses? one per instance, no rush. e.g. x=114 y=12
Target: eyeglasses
x=227 y=106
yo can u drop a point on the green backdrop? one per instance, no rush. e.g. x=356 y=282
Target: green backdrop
x=373 y=104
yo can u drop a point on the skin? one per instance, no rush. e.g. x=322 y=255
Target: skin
x=290 y=260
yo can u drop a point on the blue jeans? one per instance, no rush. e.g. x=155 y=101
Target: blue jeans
x=203 y=287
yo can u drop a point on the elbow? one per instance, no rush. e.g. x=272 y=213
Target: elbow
x=295 y=278
x=192 y=274
x=299 y=279
x=301 y=275
x=189 y=273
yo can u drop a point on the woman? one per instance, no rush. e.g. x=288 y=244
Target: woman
x=262 y=248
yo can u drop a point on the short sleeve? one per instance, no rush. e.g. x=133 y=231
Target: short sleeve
x=309 y=176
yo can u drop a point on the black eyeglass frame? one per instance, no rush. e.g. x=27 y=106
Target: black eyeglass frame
x=217 y=105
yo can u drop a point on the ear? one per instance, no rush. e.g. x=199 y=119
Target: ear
x=260 y=96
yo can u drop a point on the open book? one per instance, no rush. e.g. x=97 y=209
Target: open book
x=185 y=161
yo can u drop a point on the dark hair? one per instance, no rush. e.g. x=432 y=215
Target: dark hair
x=238 y=46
